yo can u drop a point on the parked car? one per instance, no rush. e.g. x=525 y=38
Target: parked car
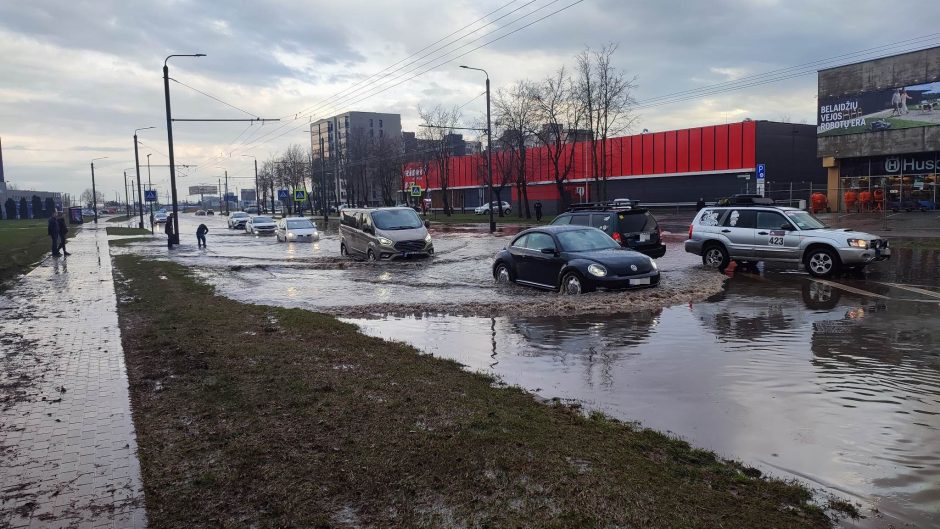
x=200 y=213
x=572 y=260
x=632 y=227
x=260 y=225
x=237 y=220
x=383 y=233
x=780 y=234
x=159 y=217
x=210 y=212
x=251 y=210
x=296 y=229
x=485 y=208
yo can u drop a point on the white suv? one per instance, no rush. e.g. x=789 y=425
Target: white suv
x=485 y=208
x=770 y=233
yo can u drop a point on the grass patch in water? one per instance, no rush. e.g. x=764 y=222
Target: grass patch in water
x=250 y=415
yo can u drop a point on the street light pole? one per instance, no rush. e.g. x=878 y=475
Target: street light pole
x=175 y=238
x=127 y=200
x=489 y=147
x=150 y=188
x=94 y=192
x=140 y=196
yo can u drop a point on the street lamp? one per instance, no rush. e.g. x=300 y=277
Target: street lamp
x=140 y=197
x=175 y=238
x=489 y=145
x=150 y=188
x=257 y=201
x=94 y=194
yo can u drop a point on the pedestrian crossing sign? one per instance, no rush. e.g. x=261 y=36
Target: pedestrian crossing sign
x=150 y=195
x=300 y=195
x=416 y=191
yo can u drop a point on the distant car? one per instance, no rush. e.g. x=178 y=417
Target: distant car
x=88 y=213
x=632 y=227
x=210 y=212
x=200 y=213
x=260 y=225
x=160 y=217
x=251 y=210
x=296 y=229
x=485 y=208
x=237 y=220
x=572 y=260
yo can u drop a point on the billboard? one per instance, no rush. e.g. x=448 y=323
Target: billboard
x=248 y=195
x=895 y=108
x=203 y=190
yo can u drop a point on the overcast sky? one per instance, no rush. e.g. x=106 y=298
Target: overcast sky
x=76 y=78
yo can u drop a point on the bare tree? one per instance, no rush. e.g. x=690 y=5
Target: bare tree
x=606 y=97
x=558 y=107
x=387 y=168
x=516 y=111
x=86 y=197
x=438 y=125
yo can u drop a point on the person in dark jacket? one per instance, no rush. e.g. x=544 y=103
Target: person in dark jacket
x=63 y=231
x=700 y=204
x=168 y=228
x=538 y=211
x=53 y=230
x=201 y=232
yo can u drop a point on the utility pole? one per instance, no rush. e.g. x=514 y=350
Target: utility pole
x=489 y=147
x=150 y=188
x=226 y=192
x=323 y=198
x=220 y=196
x=169 y=139
x=94 y=192
x=127 y=202
x=140 y=197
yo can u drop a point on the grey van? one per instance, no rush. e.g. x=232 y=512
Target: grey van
x=383 y=234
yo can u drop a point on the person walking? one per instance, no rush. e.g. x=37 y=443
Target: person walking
x=700 y=204
x=53 y=229
x=168 y=228
x=904 y=98
x=201 y=232
x=63 y=231
x=538 y=211
x=896 y=103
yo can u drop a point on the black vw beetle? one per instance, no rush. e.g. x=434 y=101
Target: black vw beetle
x=572 y=260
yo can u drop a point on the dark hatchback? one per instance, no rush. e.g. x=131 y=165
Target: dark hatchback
x=572 y=260
x=634 y=228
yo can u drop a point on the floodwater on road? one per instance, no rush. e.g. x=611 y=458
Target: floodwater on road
x=834 y=382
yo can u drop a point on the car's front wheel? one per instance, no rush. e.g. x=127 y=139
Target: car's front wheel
x=715 y=256
x=371 y=255
x=572 y=284
x=502 y=274
x=822 y=262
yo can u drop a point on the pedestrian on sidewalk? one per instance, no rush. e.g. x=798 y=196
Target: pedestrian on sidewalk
x=53 y=230
x=168 y=228
x=63 y=231
x=538 y=211
x=201 y=232
x=700 y=204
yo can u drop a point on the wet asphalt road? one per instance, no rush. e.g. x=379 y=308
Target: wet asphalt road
x=834 y=382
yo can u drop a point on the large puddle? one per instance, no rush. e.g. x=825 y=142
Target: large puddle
x=834 y=382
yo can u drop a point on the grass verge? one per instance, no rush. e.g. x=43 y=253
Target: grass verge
x=115 y=230
x=470 y=218
x=122 y=218
x=254 y=416
x=22 y=244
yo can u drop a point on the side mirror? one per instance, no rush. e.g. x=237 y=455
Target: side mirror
x=548 y=251
x=427 y=224
x=786 y=227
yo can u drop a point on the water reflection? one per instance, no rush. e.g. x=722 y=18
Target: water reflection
x=834 y=382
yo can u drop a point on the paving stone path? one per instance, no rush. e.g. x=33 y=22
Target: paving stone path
x=68 y=453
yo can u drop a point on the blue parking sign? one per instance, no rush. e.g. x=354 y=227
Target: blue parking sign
x=761 y=172
x=283 y=194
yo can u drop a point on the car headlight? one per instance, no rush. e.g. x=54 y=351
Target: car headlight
x=290 y=234
x=427 y=238
x=653 y=264
x=386 y=242
x=597 y=270
x=858 y=243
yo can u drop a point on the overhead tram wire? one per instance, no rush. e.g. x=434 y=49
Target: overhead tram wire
x=781 y=74
x=516 y=30
x=210 y=96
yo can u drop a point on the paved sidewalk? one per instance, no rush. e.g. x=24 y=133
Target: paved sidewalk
x=68 y=453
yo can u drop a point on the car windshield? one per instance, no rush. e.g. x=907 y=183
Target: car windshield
x=585 y=241
x=805 y=221
x=396 y=219
x=258 y=220
x=299 y=224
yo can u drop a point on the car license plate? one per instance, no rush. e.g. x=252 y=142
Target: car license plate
x=644 y=237
x=640 y=281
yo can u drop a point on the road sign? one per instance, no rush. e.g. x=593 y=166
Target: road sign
x=300 y=195
x=416 y=191
x=580 y=191
x=283 y=194
x=150 y=195
x=761 y=172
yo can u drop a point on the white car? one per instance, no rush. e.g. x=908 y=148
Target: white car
x=237 y=220
x=485 y=208
x=260 y=225
x=296 y=229
x=159 y=217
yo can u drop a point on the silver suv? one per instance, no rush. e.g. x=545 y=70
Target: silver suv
x=771 y=233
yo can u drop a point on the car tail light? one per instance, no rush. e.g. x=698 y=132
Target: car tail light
x=690 y=231
x=616 y=237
